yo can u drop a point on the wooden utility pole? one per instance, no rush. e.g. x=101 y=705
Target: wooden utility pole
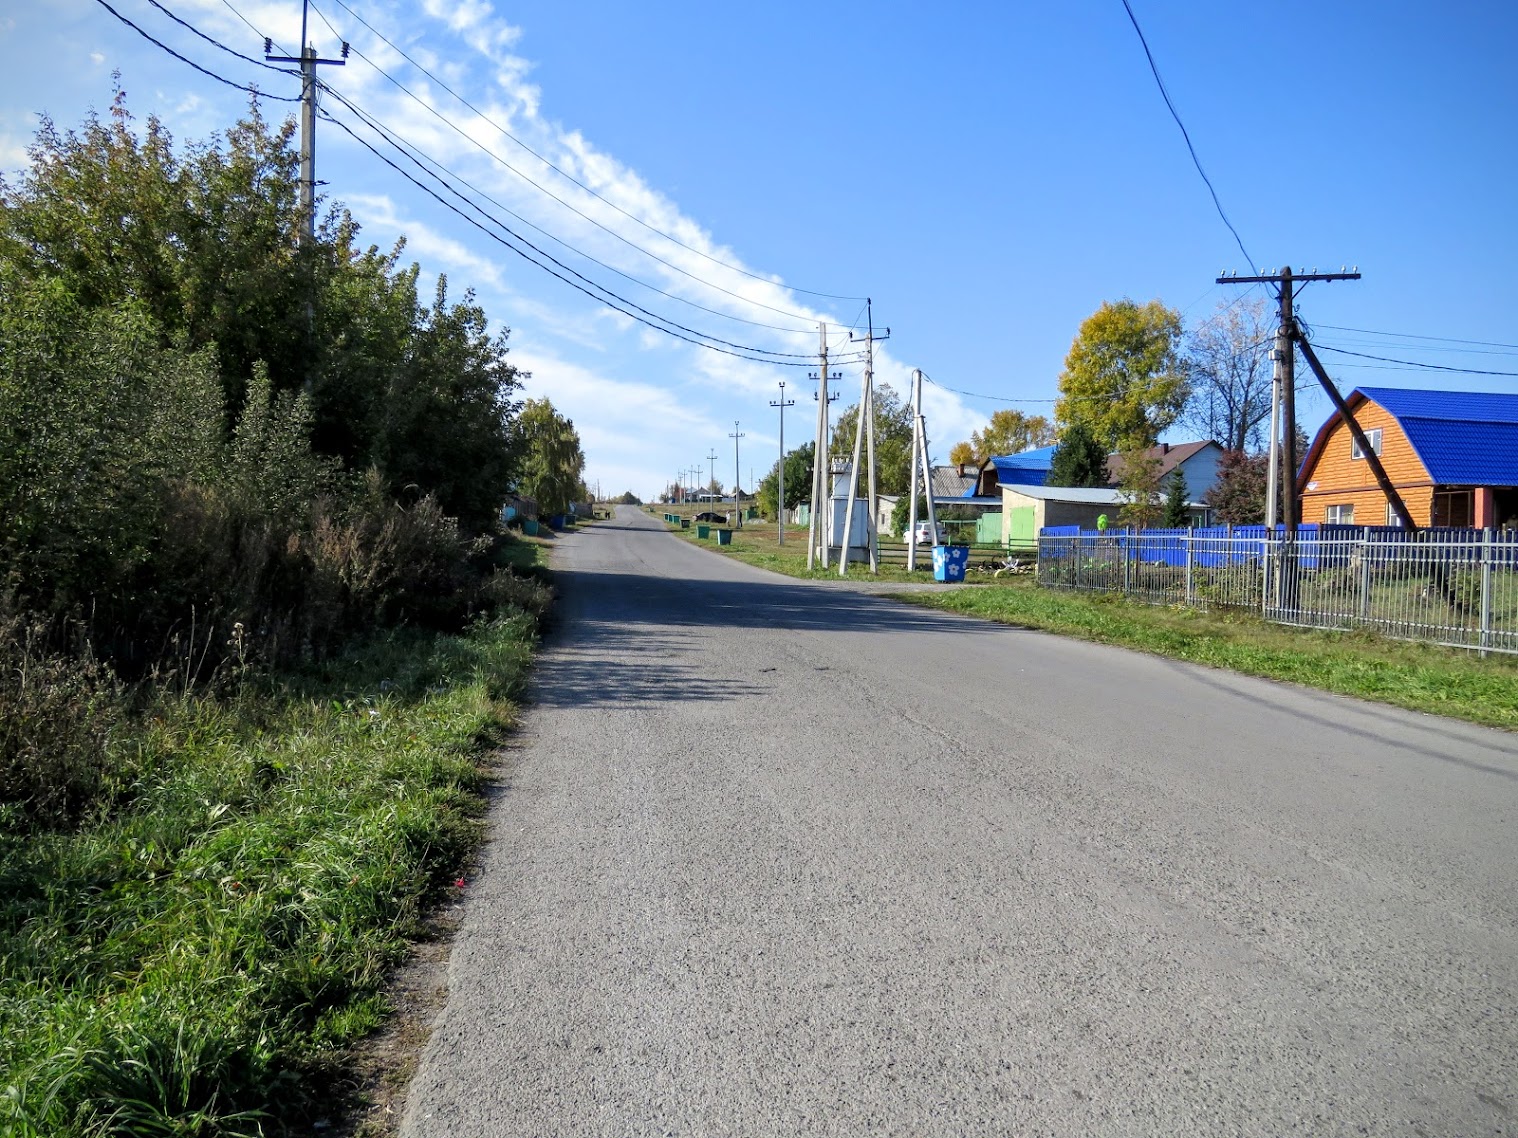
x=1287 y=335
x=781 y=403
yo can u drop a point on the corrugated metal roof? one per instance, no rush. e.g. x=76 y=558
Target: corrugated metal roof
x=1464 y=438
x=1090 y=494
x=1030 y=468
x=949 y=483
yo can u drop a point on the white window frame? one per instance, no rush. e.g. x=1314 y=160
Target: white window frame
x=1334 y=515
x=1392 y=517
x=1373 y=436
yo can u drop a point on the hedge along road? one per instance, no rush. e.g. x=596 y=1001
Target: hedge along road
x=780 y=859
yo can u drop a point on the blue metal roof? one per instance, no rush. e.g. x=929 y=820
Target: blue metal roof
x=1464 y=438
x=1030 y=468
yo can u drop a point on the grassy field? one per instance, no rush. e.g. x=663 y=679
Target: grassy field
x=1444 y=681
x=194 y=959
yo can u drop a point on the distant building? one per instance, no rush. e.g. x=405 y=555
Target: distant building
x=1197 y=462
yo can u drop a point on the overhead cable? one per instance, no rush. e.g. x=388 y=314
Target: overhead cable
x=420 y=158
x=1412 y=363
x=254 y=91
x=618 y=303
x=1197 y=162
x=562 y=173
x=217 y=43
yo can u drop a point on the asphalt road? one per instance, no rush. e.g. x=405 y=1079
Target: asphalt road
x=777 y=859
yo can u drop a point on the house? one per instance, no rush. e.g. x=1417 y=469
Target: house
x=1198 y=463
x=1452 y=456
x=1030 y=468
x=1025 y=510
x=954 y=486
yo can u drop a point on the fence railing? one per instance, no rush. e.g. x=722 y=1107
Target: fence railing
x=1454 y=587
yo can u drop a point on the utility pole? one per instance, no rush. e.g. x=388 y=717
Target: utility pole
x=866 y=423
x=1288 y=335
x=308 y=61
x=820 y=461
x=737 y=499
x=920 y=462
x=711 y=463
x=781 y=403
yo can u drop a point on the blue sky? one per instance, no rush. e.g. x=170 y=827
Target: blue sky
x=988 y=173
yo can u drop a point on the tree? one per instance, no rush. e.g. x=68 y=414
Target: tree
x=1124 y=377
x=963 y=454
x=1176 y=495
x=1138 y=487
x=901 y=513
x=552 y=461
x=1079 y=459
x=1010 y=432
x=798 y=481
x=893 y=440
x=1230 y=375
x=1238 y=496
x=628 y=498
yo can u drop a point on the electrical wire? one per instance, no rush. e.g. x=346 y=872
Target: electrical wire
x=254 y=91
x=618 y=303
x=217 y=43
x=978 y=395
x=1412 y=336
x=545 y=190
x=423 y=160
x=1197 y=162
x=1411 y=363
x=251 y=28
x=556 y=169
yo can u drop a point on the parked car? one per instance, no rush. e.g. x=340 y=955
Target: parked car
x=925 y=534
x=712 y=516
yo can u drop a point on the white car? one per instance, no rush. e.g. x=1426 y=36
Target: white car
x=924 y=534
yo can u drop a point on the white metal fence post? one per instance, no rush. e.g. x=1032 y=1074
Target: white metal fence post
x=1190 y=558
x=1486 y=589
x=1365 y=575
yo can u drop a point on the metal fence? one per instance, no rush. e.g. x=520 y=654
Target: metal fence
x=1453 y=587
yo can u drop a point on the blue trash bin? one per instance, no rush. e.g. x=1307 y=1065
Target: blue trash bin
x=950 y=562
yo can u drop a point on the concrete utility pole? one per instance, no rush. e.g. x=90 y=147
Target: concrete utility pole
x=866 y=423
x=782 y=403
x=920 y=462
x=737 y=500
x=819 y=454
x=711 y=462
x=308 y=61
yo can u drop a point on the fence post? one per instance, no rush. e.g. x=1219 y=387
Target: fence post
x=1190 y=557
x=1486 y=589
x=1365 y=575
x=1127 y=552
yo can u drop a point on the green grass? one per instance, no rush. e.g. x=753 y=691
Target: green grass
x=1444 y=681
x=194 y=960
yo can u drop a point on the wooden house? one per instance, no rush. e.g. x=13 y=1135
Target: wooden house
x=1452 y=456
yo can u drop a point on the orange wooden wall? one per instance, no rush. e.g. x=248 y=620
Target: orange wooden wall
x=1336 y=479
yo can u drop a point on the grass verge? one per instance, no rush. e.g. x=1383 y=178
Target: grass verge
x=1443 y=681
x=194 y=959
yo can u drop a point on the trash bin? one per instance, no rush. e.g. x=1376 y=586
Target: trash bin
x=556 y=522
x=530 y=527
x=685 y=523
x=950 y=562
x=703 y=531
x=724 y=537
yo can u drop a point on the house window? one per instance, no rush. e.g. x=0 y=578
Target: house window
x=1392 y=517
x=1340 y=515
x=1372 y=436
x=1454 y=508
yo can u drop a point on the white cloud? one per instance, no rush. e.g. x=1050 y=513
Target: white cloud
x=97 y=58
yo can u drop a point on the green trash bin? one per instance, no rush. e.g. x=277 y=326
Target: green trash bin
x=724 y=537
x=530 y=527
x=685 y=523
x=703 y=531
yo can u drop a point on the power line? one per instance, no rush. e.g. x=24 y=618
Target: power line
x=254 y=91
x=1412 y=336
x=424 y=160
x=1413 y=363
x=1197 y=162
x=652 y=320
x=251 y=28
x=562 y=173
x=217 y=43
x=978 y=395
